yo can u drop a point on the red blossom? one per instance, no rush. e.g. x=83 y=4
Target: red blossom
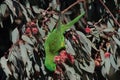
x=97 y=63
x=57 y=59
x=107 y=55
x=63 y=55
x=87 y=30
x=34 y=30
x=28 y=30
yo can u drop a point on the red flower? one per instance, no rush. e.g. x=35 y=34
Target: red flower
x=97 y=63
x=87 y=30
x=28 y=30
x=32 y=24
x=57 y=59
x=63 y=55
x=107 y=55
x=34 y=30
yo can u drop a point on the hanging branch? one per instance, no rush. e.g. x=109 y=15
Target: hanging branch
x=110 y=13
x=71 y=6
x=65 y=10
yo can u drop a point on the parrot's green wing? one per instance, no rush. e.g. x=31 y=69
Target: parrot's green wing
x=55 y=41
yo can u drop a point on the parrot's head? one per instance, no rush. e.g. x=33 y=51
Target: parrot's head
x=51 y=66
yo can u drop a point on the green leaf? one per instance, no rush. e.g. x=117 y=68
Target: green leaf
x=112 y=61
x=113 y=47
x=36 y=66
x=78 y=66
x=24 y=12
x=83 y=40
x=3 y=8
x=87 y=77
x=69 y=47
x=87 y=43
x=116 y=40
x=51 y=24
x=43 y=67
x=71 y=72
x=118 y=61
x=29 y=8
x=23 y=52
x=103 y=71
x=36 y=9
x=102 y=56
x=110 y=23
x=3 y=62
x=108 y=30
x=27 y=39
x=10 y=6
x=88 y=68
x=107 y=65
x=15 y=35
x=1 y=24
x=11 y=18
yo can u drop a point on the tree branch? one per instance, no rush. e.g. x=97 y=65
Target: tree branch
x=71 y=6
x=110 y=13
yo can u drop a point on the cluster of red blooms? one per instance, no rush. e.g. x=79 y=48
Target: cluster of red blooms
x=98 y=60
x=31 y=27
x=62 y=57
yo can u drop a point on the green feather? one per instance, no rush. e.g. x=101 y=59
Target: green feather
x=55 y=41
x=69 y=24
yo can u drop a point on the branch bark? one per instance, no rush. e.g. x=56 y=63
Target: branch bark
x=110 y=13
x=71 y=6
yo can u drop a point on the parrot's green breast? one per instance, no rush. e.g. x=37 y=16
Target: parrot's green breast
x=56 y=42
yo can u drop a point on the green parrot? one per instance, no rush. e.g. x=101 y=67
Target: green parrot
x=55 y=41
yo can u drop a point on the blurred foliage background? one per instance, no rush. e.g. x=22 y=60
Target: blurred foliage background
x=92 y=44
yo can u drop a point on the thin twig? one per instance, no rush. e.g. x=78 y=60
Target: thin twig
x=110 y=13
x=71 y=6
